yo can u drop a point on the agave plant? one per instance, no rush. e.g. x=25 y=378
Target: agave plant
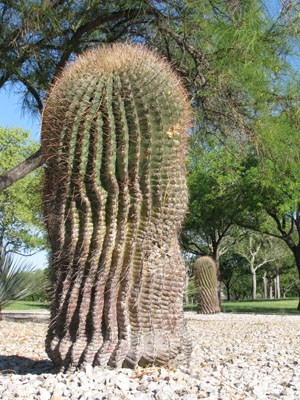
x=14 y=282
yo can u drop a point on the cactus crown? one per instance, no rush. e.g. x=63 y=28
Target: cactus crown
x=205 y=271
x=206 y=284
x=124 y=69
x=127 y=101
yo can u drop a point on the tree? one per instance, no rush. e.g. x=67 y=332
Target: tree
x=226 y=54
x=21 y=223
x=233 y=58
x=218 y=198
x=211 y=210
x=235 y=77
x=290 y=283
x=253 y=188
x=37 y=40
x=276 y=276
x=273 y=179
x=210 y=216
x=233 y=272
x=258 y=251
x=39 y=280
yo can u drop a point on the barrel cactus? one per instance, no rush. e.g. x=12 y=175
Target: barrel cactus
x=113 y=136
x=206 y=284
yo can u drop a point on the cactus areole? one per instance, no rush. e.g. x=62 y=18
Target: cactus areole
x=113 y=136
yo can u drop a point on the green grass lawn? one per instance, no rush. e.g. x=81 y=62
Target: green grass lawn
x=285 y=306
x=27 y=305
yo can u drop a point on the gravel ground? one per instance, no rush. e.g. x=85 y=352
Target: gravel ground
x=235 y=356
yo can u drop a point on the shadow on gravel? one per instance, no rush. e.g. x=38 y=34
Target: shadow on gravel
x=22 y=365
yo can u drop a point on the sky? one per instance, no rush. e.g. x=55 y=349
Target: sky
x=11 y=115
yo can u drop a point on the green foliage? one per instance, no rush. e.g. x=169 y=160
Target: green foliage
x=219 y=196
x=232 y=185
x=236 y=278
x=244 y=86
x=14 y=284
x=234 y=58
x=39 y=38
x=191 y=290
x=289 y=280
x=234 y=275
x=39 y=280
x=227 y=53
x=21 y=226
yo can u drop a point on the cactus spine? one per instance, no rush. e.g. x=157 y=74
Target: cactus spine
x=113 y=134
x=206 y=284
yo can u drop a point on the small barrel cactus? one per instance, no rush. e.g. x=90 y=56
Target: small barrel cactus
x=113 y=136
x=206 y=284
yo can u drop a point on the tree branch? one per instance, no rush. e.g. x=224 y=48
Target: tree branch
x=88 y=27
x=222 y=234
x=254 y=229
x=198 y=250
x=21 y=170
x=34 y=93
x=266 y=261
x=19 y=253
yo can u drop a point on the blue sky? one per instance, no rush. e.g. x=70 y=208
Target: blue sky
x=11 y=116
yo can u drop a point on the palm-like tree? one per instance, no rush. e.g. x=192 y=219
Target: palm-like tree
x=14 y=282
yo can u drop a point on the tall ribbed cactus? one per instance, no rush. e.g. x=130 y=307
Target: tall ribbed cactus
x=113 y=134
x=206 y=284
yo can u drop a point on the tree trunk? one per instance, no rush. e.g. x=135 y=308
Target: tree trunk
x=21 y=170
x=277 y=286
x=216 y=259
x=271 y=289
x=1 y=246
x=253 y=284
x=296 y=252
x=265 y=283
x=227 y=292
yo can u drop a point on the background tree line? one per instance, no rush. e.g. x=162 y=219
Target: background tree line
x=238 y=60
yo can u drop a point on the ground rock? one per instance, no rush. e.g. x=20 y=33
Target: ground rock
x=251 y=357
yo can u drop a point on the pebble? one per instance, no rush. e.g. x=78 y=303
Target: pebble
x=235 y=356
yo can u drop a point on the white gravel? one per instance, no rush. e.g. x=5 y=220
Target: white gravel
x=235 y=357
